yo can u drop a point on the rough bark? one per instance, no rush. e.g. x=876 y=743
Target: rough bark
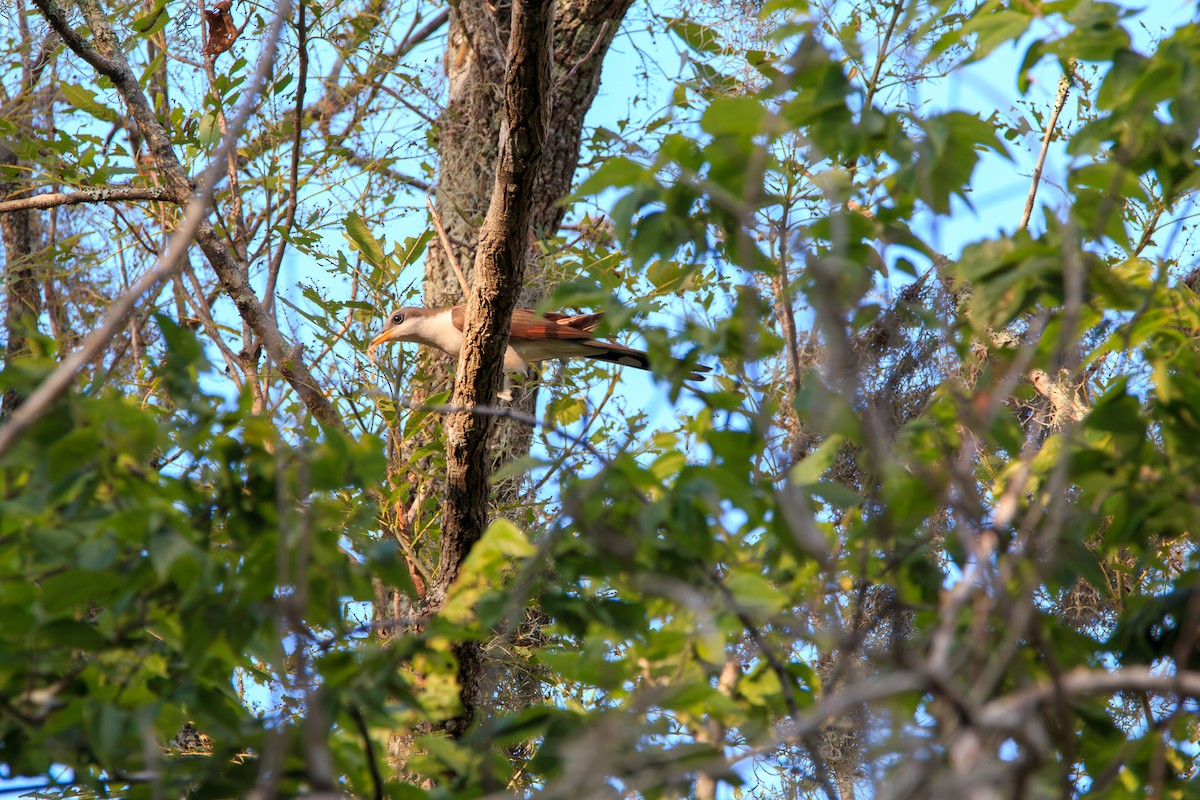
x=22 y=290
x=12 y=201
x=468 y=139
x=499 y=273
x=468 y=130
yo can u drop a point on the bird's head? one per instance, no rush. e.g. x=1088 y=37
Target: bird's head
x=401 y=326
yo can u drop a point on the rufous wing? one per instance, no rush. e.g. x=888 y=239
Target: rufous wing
x=531 y=325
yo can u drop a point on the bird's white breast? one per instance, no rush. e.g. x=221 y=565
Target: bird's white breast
x=438 y=331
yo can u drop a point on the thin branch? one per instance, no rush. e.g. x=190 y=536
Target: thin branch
x=492 y=412
x=591 y=52
x=411 y=106
x=34 y=68
x=1060 y=100
x=501 y=412
x=1148 y=231
x=294 y=175
x=40 y=400
x=372 y=165
x=285 y=356
x=784 y=309
x=873 y=86
x=445 y=240
x=340 y=332
x=786 y=683
x=372 y=762
x=336 y=98
x=80 y=46
x=203 y=313
x=1014 y=709
x=428 y=29
x=102 y=194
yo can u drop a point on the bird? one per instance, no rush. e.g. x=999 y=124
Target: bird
x=534 y=336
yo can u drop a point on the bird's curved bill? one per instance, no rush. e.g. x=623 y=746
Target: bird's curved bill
x=382 y=338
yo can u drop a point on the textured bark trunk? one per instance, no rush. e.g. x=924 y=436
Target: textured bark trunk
x=23 y=296
x=23 y=301
x=468 y=142
x=468 y=139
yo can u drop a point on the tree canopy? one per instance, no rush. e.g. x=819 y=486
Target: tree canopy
x=924 y=531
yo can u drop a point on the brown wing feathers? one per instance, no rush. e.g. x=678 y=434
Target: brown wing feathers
x=530 y=325
x=577 y=327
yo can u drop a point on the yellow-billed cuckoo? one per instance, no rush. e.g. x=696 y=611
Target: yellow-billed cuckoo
x=533 y=337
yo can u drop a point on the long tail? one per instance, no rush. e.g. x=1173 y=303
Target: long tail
x=628 y=357
x=610 y=351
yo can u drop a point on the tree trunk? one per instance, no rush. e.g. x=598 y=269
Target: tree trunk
x=22 y=292
x=468 y=145
x=23 y=300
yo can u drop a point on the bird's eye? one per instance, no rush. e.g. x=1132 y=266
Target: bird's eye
x=397 y=319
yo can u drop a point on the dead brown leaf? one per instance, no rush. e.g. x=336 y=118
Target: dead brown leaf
x=222 y=33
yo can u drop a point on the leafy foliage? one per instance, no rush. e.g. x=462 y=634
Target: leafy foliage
x=929 y=526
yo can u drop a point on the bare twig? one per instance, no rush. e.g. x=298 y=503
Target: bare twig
x=294 y=176
x=399 y=97
x=372 y=762
x=372 y=166
x=591 y=52
x=414 y=38
x=1060 y=100
x=108 y=57
x=203 y=313
x=445 y=240
x=881 y=56
x=494 y=412
x=786 y=682
x=1015 y=708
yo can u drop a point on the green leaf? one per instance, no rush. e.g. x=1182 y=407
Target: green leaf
x=359 y=234
x=505 y=538
x=616 y=172
x=817 y=462
x=700 y=38
x=736 y=116
x=755 y=594
x=385 y=560
x=85 y=100
x=73 y=634
x=992 y=28
x=565 y=410
x=152 y=20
